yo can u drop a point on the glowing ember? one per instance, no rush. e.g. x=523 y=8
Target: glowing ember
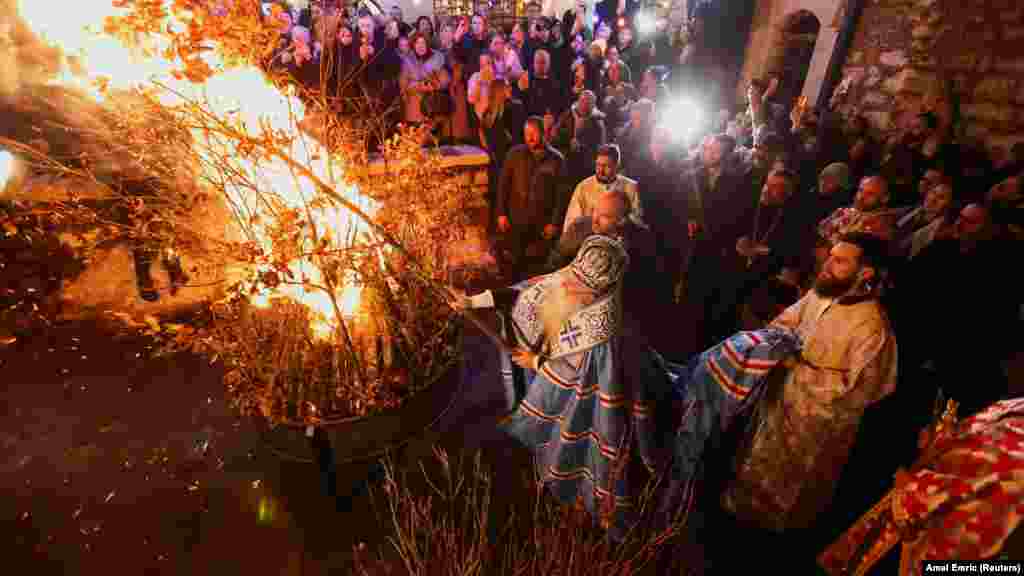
x=241 y=96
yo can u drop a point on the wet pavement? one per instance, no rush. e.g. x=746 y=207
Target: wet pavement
x=113 y=461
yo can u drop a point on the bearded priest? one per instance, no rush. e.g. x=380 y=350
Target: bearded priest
x=804 y=430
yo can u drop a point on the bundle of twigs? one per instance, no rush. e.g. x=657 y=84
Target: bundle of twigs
x=451 y=526
x=276 y=368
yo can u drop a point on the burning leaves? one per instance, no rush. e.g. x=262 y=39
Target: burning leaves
x=235 y=31
x=278 y=370
x=332 y=304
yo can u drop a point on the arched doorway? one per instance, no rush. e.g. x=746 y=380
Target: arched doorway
x=792 y=53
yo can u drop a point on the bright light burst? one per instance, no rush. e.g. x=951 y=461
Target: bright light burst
x=645 y=24
x=242 y=94
x=684 y=118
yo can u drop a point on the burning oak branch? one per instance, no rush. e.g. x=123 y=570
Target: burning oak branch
x=156 y=114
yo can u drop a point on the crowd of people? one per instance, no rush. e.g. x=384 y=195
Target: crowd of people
x=474 y=83
x=777 y=217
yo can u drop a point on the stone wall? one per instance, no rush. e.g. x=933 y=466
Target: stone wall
x=912 y=55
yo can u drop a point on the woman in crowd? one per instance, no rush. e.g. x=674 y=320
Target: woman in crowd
x=425 y=26
x=424 y=82
x=504 y=59
x=444 y=39
x=301 y=62
x=392 y=32
x=404 y=46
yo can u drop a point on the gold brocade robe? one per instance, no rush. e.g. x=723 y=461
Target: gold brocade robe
x=804 y=428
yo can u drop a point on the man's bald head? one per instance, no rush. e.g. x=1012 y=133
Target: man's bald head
x=610 y=211
x=973 y=224
x=1008 y=191
x=872 y=194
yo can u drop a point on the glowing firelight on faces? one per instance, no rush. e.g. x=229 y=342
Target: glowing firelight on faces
x=240 y=93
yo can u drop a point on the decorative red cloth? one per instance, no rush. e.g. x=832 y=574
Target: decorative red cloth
x=971 y=498
x=963 y=505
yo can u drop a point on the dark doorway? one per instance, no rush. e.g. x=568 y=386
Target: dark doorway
x=798 y=35
x=727 y=31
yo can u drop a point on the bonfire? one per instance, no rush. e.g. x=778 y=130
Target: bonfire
x=328 y=299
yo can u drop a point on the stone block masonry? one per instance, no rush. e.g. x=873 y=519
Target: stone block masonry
x=906 y=52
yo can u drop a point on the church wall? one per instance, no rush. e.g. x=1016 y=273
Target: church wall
x=906 y=51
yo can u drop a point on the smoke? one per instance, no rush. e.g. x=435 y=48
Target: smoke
x=50 y=119
x=47 y=118
x=25 y=60
x=52 y=127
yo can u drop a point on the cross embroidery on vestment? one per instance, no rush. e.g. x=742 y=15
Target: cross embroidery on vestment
x=570 y=334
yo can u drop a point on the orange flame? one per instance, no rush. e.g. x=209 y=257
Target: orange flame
x=241 y=95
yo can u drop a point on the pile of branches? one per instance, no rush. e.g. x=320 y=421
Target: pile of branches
x=190 y=154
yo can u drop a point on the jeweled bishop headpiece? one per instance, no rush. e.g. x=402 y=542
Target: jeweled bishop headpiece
x=600 y=263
